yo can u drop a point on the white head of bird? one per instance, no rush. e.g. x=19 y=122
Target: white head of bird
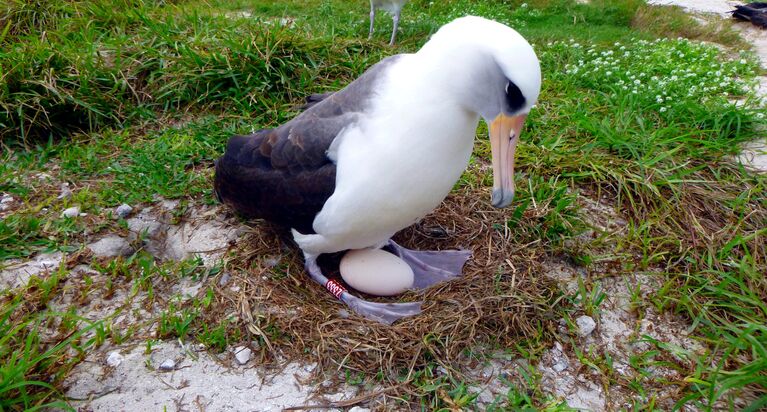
x=496 y=75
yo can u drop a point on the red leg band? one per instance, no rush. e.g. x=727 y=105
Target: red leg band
x=335 y=288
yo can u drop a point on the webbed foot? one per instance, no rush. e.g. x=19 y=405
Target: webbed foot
x=431 y=267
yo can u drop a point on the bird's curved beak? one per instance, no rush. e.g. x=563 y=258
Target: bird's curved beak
x=504 y=135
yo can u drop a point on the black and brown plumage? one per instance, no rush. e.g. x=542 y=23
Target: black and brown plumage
x=755 y=12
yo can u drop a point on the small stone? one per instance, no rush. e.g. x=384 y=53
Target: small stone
x=167 y=365
x=242 y=354
x=560 y=365
x=169 y=205
x=586 y=325
x=123 y=210
x=224 y=279
x=114 y=359
x=359 y=409
x=111 y=246
x=6 y=199
x=73 y=211
x=65 y=192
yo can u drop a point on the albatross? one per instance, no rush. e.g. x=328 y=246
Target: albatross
x=358 y=165
x=394 y=7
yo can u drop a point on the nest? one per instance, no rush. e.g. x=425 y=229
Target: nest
x=501 y=299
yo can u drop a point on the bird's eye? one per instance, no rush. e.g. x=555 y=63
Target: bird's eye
x=514 y=97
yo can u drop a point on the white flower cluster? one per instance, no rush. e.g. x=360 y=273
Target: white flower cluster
x=660 y=74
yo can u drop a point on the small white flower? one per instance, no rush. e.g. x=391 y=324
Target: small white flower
x=663 y=109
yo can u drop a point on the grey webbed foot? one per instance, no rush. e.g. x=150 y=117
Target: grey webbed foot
x=387 y=313
x=431 y=267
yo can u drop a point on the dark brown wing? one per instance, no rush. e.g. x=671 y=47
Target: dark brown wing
x=284 y=175
x=755 y=12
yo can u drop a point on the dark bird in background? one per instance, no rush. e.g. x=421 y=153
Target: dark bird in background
x=755 y=12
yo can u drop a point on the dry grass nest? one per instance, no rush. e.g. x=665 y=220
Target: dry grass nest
x=502 y=298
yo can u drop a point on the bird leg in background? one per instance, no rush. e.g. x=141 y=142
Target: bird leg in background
x=372 y=19
x=431 y=267
x=395 y=18
x=387 y=313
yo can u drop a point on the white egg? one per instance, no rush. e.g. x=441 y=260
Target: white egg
x=376 y=272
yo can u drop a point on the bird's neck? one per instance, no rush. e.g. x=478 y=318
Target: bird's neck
x=464 y=75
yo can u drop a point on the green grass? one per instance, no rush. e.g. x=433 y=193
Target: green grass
x=34 y=363
x=133 y=99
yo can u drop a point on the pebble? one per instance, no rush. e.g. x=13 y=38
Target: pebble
x=242 y=354
x=111 y=246
x=114 y=359
x=167 y=365
x=66 y=192
x=71 y=212
x=586 y=325
x=123 y=211
x=5 y=202
x=359 y=409
x=560 y=365
x=224 y=279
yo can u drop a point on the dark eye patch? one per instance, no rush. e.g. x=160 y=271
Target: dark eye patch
x=514 y=97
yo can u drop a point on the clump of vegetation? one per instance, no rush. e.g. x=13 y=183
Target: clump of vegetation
x=38 y=345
